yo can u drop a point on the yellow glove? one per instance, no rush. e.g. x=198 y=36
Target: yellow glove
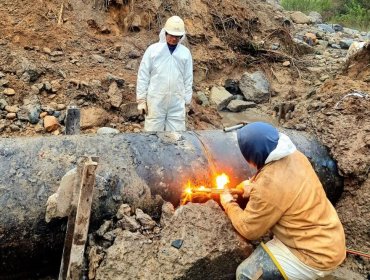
x=226 y=198
x=142 y=107
x=246 y=186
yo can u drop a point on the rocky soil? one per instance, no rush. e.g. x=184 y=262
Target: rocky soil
x=88 y=56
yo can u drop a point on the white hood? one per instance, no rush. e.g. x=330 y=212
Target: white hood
x=284 y=148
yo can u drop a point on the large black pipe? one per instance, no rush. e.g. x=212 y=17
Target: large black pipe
x=130 y=165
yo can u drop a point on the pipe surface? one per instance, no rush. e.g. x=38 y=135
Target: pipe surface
x=132 y=167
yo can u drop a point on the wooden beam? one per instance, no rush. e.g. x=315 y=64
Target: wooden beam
x=78 y=221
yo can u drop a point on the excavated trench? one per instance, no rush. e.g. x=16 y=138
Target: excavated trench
x=139 y=169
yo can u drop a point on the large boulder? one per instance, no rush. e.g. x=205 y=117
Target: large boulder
x=220 y=97
x=93 y=116
x=255 y=87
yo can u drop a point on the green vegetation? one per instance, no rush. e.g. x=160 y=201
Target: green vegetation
x=350 y=13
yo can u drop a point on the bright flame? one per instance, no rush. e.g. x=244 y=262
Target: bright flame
x=188 y=190
x=201 y=188
x=221 y=181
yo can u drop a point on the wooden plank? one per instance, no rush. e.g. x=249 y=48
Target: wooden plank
x=78 y=222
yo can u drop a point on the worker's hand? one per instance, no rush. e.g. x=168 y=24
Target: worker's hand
x=226 y=198
x=142 y=107
x=246 y=187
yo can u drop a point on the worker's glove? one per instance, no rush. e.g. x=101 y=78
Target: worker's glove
x=142 y=107
x=226 y=198
x=246 y=187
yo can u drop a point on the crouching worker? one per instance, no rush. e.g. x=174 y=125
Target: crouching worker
x=286 y=197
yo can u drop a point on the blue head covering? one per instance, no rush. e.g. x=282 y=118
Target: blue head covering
x=256 y=141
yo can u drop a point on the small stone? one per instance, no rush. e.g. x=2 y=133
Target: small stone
x=3 y=82
x=324 y=78
x=124 y=209
x=9 y=91
x=128 y=223
x=11 y=109
x=56 y=132
x=55 y=85
x=43 y=114
x=107 y=130
x=14 y=127
x=61 y=106
x=47 y=86
x=3 y=104
x=98 y=58
x=11 y=116
x=145 y=220
x=56 y=53
x=38 y=128
x=51 y=123
x=46 y=50
x=286 y=63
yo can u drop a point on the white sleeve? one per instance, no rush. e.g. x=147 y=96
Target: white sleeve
x=188 y=81
x=143 y=76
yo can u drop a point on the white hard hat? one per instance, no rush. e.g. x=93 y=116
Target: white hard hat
x=175 y=26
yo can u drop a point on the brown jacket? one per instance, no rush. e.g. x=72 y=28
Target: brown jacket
x=288 y=198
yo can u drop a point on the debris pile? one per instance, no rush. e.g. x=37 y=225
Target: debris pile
x=195 y=241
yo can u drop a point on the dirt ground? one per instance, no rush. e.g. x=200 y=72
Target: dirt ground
x=95 y=44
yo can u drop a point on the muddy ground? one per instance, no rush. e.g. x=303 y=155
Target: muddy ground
x=90 y=59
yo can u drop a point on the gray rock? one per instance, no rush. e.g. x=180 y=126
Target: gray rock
x=2 y=75
x=57 y=114
x=202 y=97
x=14 y=127
x=132 y=64
x=323 y=43
x=220 y=97
x=107 y=130
x=350 y=31
x=255 y=87
x=3 y=82
x=335 y=46
x=337 y=27
x=239 y=97
x=345 y=43
x=30 y=111
x=129 y=110
x=315 y=17
x=134 y=54
x=325 y=27
x=240 y=105
x=47 y=86
x=3 y=103
x=275 y=46
x=110 y=78
x=98 y=58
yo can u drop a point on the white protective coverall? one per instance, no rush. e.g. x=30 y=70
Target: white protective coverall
x=165 y=81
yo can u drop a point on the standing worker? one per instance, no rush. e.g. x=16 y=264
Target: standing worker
x=165 y=80
x=286 y=197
